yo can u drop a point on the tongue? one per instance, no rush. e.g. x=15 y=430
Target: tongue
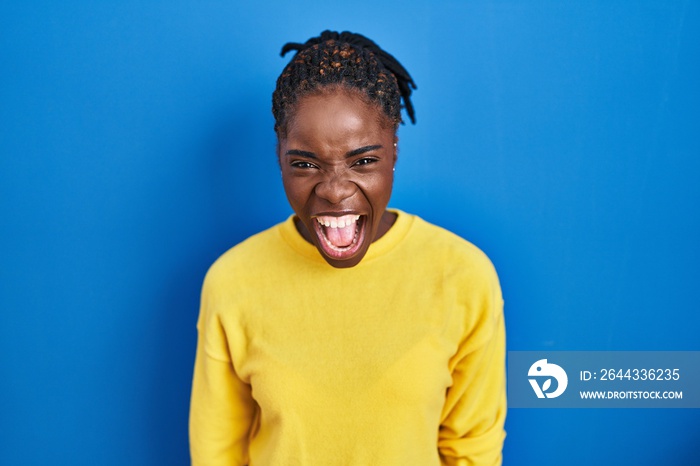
x=341 y=237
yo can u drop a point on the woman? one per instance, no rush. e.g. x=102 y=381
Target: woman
x=349 y=334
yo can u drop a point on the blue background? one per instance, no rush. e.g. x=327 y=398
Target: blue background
x=561 y=137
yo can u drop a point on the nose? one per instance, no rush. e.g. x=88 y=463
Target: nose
x=335 y=189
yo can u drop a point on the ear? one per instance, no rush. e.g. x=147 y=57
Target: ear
x=277 y=152
x=396 y=148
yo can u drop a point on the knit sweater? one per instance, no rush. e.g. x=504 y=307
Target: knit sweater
x=396 y=361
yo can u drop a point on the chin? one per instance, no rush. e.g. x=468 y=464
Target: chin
x=344 y=263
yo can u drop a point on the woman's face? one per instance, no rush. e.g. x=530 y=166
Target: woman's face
x=337 y=161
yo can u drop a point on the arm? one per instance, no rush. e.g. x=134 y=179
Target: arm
x=221 y=413
x=222 y=410
x=471 y=430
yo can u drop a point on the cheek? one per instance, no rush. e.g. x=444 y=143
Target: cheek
x=378 y=188
x=287 y=184
x=297 y=191
x=385 y=178
x=291 y=188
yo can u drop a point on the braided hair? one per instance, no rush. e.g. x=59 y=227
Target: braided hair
x=342 y=60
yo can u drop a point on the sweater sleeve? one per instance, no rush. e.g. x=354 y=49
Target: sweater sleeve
x=471 y=430
x=222 y=410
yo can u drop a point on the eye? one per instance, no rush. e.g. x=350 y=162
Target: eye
x=364 y=161
x=302 y=164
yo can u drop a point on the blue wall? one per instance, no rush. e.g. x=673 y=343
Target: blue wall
x=563 y=138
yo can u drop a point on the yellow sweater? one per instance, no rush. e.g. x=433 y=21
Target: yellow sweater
x=396 y=361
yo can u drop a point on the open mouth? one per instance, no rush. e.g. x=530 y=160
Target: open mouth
x=340 y=237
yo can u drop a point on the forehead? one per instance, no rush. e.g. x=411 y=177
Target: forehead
x=337 y=115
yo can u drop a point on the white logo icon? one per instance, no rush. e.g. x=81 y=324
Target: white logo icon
x=543 y=369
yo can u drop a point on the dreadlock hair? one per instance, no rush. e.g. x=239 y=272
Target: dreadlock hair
x=347 y=61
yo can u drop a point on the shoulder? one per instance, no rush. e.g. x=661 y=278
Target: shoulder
x=456 y=265
x=459 y=273
x=245 y=261
x=448 y=249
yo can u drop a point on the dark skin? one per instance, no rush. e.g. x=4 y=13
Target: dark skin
x=337 y=159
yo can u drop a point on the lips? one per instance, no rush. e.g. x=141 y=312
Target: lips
x=340 y=237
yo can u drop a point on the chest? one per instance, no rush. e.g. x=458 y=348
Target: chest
x=365 y=350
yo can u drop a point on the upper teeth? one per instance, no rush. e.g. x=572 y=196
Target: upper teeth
x=337 y=222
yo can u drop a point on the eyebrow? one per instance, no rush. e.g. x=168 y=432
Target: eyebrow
x=352 y=153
